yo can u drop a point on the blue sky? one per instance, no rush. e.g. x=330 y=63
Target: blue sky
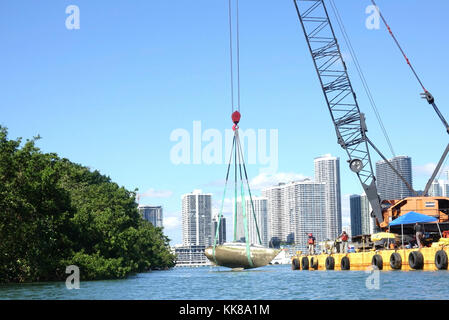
x=110 y=94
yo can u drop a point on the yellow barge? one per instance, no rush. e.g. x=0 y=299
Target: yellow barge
x=428 y=259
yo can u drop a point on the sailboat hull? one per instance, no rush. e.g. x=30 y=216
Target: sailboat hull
x=234 y=256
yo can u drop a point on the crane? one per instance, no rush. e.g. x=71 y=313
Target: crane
x=349 y=121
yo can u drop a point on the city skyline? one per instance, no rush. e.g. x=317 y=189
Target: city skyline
x=298 y=208
x=367 y=224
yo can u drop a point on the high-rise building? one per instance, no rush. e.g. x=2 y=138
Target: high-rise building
x=368 y=222
x=327 y=170
x=389 y=185
x=277 y=224
x=294 y=210
x=310 y=212
x=197 y=219
x=437 y=189
x=261 y=216
x=152 y=214
x=355 y=204
x=222 y=229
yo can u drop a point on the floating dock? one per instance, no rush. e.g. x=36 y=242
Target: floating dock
x=428 y=259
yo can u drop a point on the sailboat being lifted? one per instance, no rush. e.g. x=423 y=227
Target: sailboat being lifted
x=239 y=254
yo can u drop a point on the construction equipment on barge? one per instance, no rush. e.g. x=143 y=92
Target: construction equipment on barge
x=351 y=130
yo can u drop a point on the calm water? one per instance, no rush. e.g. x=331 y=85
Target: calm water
x=271 y=282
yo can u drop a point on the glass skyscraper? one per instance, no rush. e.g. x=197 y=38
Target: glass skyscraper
x=152 y=214
x=356 y=214
x=221 y=232
x=389 y=185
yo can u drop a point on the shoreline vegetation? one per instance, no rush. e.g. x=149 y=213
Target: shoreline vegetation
x=55 y=213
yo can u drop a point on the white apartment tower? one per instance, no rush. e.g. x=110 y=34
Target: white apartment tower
x=368 y=222
x=197 y=219
x=327 y=171
x=311 y=212
x=261 y=216
x=277 y=224
x=294 y=210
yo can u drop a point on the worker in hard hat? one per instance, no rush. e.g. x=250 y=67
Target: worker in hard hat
x=311 y=243
x=344 y=242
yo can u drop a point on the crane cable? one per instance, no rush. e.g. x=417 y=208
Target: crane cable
x=427 y=95
x=399 y=46
x=361 y=75
x=238 y=105
x=231 y=51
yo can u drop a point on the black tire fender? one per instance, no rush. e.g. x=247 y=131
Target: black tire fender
x=441 y=260
x=305 y=263
x=314 y=263
x=345 y=263
x=330 y=263
x=395 y=261
x=377 y=261
x=295 y=264
x=416 y=260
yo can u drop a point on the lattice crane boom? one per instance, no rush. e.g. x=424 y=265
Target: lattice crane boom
x=349 y=122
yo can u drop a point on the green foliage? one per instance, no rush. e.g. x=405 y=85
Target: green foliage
x=54 y=213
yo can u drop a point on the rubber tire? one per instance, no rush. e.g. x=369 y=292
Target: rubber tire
x=441 y=260
x=395 y=261
x=345 y=263
x=314 y=263
x=305 y=263
x=377 y=261
x=330 y=263
x=295 y=264
x=416 y=260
